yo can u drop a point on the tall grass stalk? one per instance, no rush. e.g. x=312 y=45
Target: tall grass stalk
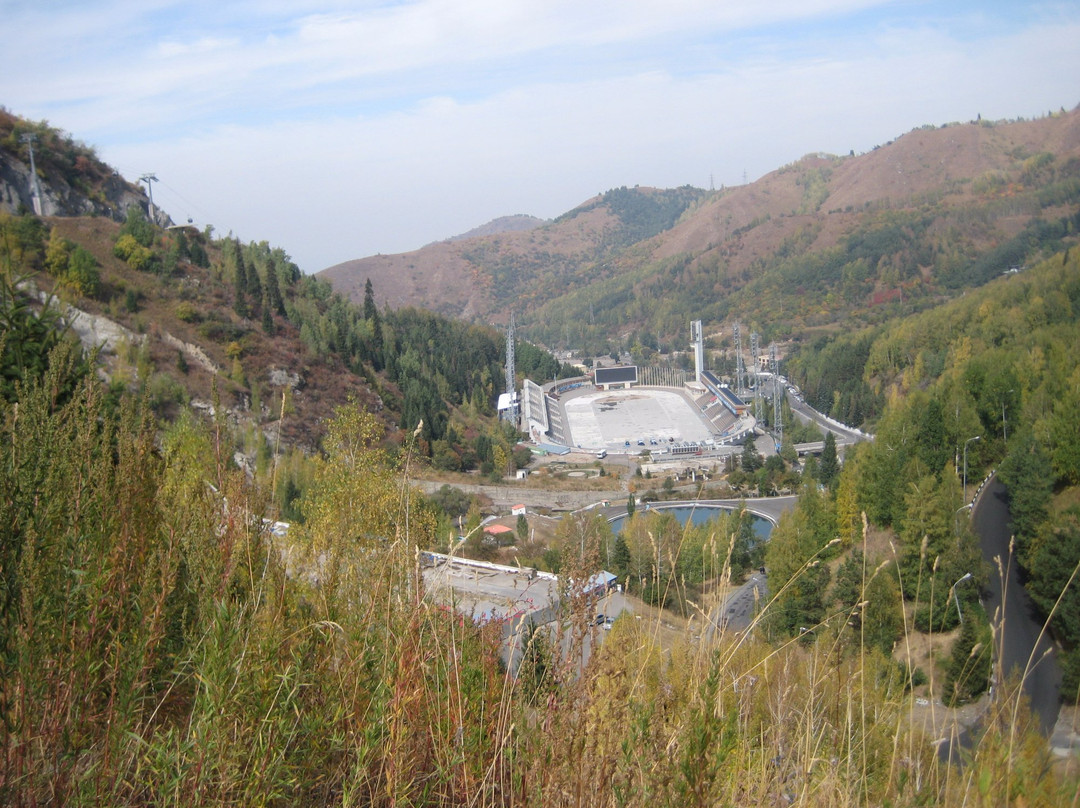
x=160 y=646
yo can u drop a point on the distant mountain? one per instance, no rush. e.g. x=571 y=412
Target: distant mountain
x=476 y=278
x=504 y=224
x=918 y=219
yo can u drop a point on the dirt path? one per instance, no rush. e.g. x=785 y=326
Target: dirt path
x=505 y=497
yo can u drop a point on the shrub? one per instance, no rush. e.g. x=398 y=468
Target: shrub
x=132 y=253
x=186 y=312
x=82 y=273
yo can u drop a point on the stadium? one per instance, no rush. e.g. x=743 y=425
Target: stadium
x=629 y=409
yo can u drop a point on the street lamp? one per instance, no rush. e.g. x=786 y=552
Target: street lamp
x=969 y=440
x=956 y=598
x=956 y=521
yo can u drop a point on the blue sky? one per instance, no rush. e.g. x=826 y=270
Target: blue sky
x=339 y=129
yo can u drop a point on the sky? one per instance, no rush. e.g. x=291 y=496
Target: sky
x=337 y=130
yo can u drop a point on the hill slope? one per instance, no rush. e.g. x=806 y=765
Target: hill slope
x=822 y=238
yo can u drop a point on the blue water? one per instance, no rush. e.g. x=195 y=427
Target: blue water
x=699 y=514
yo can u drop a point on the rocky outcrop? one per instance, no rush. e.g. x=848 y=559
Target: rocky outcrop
x=192 y=353
x=94 y=331
x=111 y=199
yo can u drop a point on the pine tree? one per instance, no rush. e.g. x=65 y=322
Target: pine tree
x=254 y=286
x=751 y=459
x=829 y=466
x=273 y=291
x=240 y=284
x=267 y=319
x=370 y=312
x=968 y=673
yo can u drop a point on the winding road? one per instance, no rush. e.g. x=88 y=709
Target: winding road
x=1022 y=645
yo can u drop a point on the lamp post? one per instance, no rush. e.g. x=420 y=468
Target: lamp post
x=969 y=440
x=956 y=522
x=957 y=598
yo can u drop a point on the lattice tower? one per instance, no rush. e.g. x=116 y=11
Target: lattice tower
x=740 y=368
x=759 y=401
x=510 y=414
x=778 y=423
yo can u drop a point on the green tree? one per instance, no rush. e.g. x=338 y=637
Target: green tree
x=28 y=339
x=1054 y=564
x=794 y=557
x=1064 y=427
x=620 y=557
x=829 y=465
x=1023 y=472
x=82 y=273
x=968 y=671
x=138 y=227
x=267 y=319
x=274 y=300
x=751 y=459
x=536 y=675
x=240 y=281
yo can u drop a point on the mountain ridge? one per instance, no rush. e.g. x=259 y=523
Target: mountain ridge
x=977 y=185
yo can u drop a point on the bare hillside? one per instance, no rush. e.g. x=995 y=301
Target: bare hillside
x=985 y=182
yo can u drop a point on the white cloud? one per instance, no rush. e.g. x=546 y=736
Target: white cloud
x=339 y=129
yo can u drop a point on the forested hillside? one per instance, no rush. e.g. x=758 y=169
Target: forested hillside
x=191 y=320
x=162 y=641
x=159 y=644
x=856 y=238
x=992 y=379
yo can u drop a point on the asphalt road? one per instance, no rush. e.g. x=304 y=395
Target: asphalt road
x=739 y=607
x=1023 y=647
x=844 y=435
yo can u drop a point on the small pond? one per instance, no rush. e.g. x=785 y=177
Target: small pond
x=699 y=514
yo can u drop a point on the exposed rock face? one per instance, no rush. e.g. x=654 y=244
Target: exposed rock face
x=99 y=332
x=58 y=198
x=192 y=352
x=283 y=378
x=92 y=330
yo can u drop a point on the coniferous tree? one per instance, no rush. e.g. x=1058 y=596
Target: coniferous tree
x=273 y=291
x=254 y=285
x=751 y=459
x=829 y=466
x=267 y=318
x=968 y=673
x=240 y=284
x=371 y=314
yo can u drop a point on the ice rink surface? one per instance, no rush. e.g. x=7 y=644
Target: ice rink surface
x=606 y=420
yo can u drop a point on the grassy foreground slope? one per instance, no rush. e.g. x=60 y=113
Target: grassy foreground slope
x=159 y=647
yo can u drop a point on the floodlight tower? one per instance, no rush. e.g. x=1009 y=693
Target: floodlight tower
x=740 y=368
x=510 y=413
x=755 y=349
x=697 y=337
x=778 y=421
x=35 y=189
x=148 y=179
